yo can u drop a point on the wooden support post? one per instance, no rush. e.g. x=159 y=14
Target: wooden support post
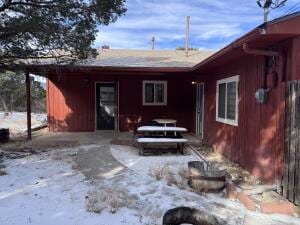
x=28 y=105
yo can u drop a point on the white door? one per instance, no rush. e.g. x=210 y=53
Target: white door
x=199 y=109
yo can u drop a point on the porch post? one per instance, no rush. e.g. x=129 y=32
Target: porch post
x=28 y=105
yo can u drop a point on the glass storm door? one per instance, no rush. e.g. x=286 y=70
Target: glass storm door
x=106 y=106
x=199 y=109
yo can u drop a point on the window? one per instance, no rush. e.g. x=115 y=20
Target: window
x=227 y=100
x=154 y=92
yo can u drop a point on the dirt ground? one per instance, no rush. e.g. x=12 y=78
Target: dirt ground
x=19 y=147
x=236 y=173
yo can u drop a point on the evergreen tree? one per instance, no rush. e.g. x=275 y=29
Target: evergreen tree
x=60 y=29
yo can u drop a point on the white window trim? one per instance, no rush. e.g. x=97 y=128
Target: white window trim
x=228 y=121
x=165 y=83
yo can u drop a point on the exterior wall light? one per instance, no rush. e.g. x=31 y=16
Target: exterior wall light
x=86 y=81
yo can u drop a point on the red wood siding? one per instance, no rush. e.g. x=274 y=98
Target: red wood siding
x=70 y=105
x=296 y=59
x=257 y=142
x=179 y=106
x=71 y=102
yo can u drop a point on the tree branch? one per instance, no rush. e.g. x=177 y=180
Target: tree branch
x=5 y=5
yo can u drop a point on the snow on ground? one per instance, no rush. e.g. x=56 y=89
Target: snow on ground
x=43 y=189
x=170 y=196
x=47 y=188
x=17 y=121
x=129 y=157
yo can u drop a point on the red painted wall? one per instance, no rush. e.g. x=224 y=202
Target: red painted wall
x=257 y=143
x=71 y=101
x=180 y=101
x=295 y=56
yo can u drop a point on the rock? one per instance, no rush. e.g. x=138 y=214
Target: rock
x=278 y=207
x=272 y=196
x=247 y=201
x=258 y=189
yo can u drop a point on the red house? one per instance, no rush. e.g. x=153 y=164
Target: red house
x=120 y=90
x=237 y=100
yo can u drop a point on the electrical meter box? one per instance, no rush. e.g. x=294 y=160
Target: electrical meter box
x=261 y=95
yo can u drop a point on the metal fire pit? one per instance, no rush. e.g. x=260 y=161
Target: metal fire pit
x=4 y=135
x=186 y=215
x=206 y=180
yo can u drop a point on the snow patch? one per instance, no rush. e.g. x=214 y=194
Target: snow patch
x=129 y=157
x=45 y=189
x=17 y=121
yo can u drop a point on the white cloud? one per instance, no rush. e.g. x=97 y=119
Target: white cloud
x=219 y=31
x=121 y=39
x=214 y=23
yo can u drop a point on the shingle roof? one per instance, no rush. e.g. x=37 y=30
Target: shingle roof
x=139 y=58
x=148 y=58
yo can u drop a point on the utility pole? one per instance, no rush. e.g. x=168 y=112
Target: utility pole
x=153 y=42
x=187 y=36
x=269 y=5
x=266 y=12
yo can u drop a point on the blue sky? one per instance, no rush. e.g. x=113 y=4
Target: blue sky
x=213 y=23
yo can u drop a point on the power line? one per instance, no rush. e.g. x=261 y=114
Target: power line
x=291 y=9
x=295 y=10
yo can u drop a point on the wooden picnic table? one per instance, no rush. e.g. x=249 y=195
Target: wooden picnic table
x=157 y=135
x=166 y=122
x=162 y=129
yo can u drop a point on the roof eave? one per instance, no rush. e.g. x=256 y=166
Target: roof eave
x=287 y=27
x=107 y=69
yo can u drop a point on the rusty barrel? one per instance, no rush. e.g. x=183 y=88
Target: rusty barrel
x=206 y=180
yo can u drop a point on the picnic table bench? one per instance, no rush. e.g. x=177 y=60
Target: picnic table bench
x=161 y=129
x=160 y=137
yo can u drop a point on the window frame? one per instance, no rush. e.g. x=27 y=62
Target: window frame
x=226 y=81
x=154 y=103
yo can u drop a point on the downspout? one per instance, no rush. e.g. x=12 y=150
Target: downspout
x=280 y=56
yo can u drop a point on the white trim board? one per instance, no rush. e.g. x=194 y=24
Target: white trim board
x=196 y=111
x=222 y=81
